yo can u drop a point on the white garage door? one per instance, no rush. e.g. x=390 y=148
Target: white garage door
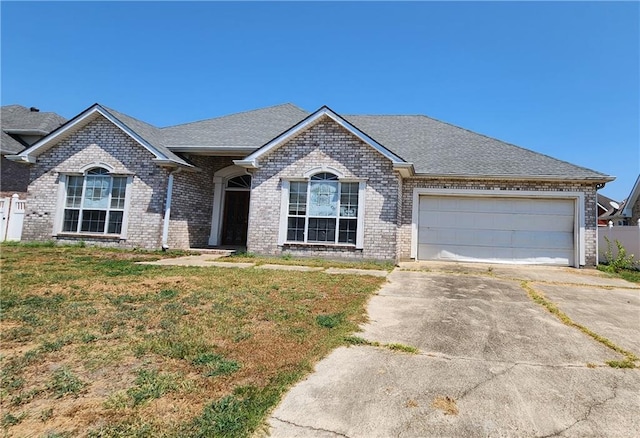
x=504 y=230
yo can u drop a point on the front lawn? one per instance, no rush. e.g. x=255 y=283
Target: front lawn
x=95 y=345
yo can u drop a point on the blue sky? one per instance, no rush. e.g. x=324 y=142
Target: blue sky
x=559 y=78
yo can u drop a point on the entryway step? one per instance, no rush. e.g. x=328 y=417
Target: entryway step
x=215 y=251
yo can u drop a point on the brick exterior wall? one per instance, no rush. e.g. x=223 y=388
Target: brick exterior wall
x=387 y=204
x=98 y=141
x=404 y=231
x=192 y=202
x=14 y=178
x=325 y=144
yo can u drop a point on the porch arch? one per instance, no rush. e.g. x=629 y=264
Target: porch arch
x=220 y=179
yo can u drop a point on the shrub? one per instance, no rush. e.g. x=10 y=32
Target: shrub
x=621 y=261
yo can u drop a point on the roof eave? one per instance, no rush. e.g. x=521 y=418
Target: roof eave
x=214 y=150
x=592 y=179
x=23 y=159
x=404 y=169
x=247 y=164
x=175 y=164
x=25 y=131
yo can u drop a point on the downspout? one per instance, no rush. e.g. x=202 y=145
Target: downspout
x=167 y=211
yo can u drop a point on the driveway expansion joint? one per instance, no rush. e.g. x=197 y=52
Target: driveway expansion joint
x=309 y=427
x=435 y=355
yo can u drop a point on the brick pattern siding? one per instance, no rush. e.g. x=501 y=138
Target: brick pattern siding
x=404 y=231
x=192 y=202
x=14 y=178
x=387 y=204
x=99 y=141
x=325 y=144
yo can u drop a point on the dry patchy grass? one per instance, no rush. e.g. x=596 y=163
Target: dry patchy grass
x=446 y=404
x=287 y=259
x=96 y=345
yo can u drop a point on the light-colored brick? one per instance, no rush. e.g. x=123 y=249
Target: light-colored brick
x=326 y=144
x=387 y=203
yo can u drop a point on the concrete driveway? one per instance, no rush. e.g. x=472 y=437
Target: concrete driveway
x=491 y=362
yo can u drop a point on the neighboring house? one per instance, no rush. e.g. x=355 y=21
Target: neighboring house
x=631 y=207
x=622 y=213
x=21 y=127
x=608 y=210
x=281 y=180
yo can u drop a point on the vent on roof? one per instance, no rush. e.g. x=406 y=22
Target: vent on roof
x=33 y=109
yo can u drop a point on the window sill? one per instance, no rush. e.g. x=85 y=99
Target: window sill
x=320 y=245
x=89 y=236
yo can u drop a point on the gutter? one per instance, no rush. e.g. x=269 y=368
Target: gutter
x=26 y=131
x=167 y=211
x=591 y=179
x=19 y=158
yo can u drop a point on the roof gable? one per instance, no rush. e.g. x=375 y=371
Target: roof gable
x=416 y=144
x=324 y=112
x=163 y=156
x=632 y=199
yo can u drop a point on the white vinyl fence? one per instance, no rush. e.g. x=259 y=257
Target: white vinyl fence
x=628 y=236
x=12 y=211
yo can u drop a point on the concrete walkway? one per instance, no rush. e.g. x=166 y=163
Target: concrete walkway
x=212 y=260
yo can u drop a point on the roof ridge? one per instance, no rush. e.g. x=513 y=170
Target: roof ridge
x=236 y=114
x=111 y=110
x=384 y=115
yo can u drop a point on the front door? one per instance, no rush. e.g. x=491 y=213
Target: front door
x=236 y=218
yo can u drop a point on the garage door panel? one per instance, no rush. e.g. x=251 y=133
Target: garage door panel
x=518 y=230
x=509 y=239
x=496 y=221
x=496 y=255
x=543 y=239
x=498 y=205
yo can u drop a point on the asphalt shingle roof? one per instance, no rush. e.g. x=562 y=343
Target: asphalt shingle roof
x=247 y=129
x=149 y=133
x=9 y=145
x=432 y=146
x=439 y=148
x=20 y=119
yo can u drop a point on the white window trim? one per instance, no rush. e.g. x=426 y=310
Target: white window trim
x=61 y=201
x=284 y=213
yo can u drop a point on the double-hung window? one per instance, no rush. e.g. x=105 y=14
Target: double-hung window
x=94 y=202
x=324 y=210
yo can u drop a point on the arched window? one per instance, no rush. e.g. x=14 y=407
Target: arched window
x=323 y=210
x=94 y=202
x=240 y=182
